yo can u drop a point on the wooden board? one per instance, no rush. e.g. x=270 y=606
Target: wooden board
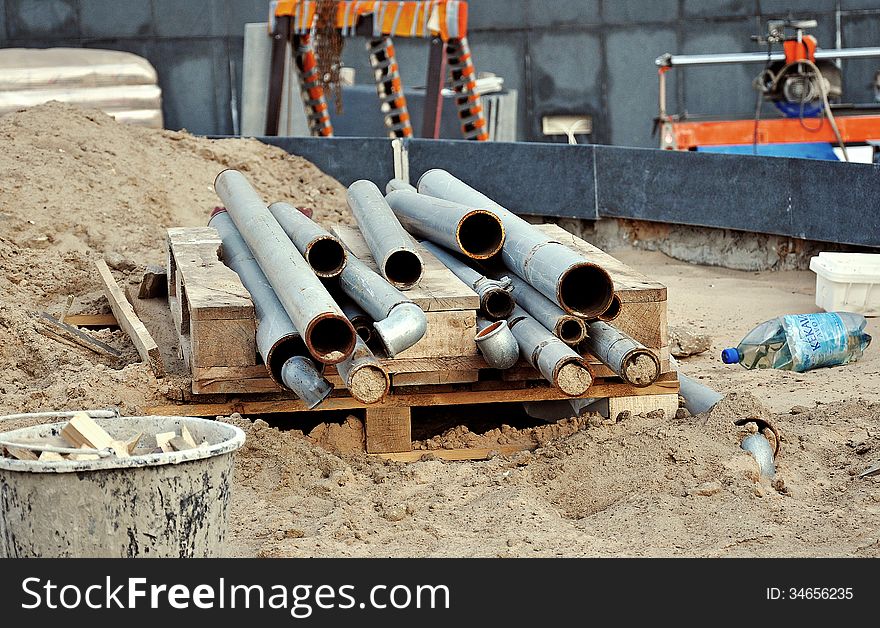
x=646 y=322
x=454 y=394
x=434 y=377
x=449 y=334
x=629 y=284
x=129 y=322
x=474 y=453
x=438 y=290
x=91 y=320
x=388 y=430
x=642 y=405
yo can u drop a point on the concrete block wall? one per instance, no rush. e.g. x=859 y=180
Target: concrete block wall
x=593 y=57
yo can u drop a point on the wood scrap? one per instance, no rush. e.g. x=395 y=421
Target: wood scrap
x=179 y=444
x=163 y=440
x=22 y=454
x=188 y=437
x=129 y=322
x=91 y=320
x=83 y=457
x=82 y=431
x=131 y=443
x=51 y=327
x=154 y=283
x=51 y=456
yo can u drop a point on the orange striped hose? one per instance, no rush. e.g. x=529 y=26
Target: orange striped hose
x=389 y=87
x=311 y=87
x=467 y=101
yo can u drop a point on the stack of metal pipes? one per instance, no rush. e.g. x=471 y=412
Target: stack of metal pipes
x=539 y=300
x=312 y=297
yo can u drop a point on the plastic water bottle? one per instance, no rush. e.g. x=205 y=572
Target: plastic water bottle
x=801 y=342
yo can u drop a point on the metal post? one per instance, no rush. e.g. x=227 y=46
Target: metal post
x=280 y=39
x=433 y=113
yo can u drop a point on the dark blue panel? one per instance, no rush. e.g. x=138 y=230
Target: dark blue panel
x=784 y=7
x=719 y=8
x=727 y=191
x=186 y=76
x=242 y=12
x=115 y=18
x=3 y=34
x=346 y=159
x=41 y=18
x=637 y=11
x=577 y=12
x=189 y=19
x=858 y=74
x=539 y=179
x=495 y=14
x=504 y=54
x=833 y=202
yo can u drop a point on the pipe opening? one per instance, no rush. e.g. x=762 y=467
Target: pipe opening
x=281 y=352
x=326 y=257
x=488 y=330
x=480 y=234
x=368 y=384
x=403 y=269
x=331 y=339
x=498 y=304
x=364 y=329
x=570 y=330
x=613 y=310
x=585 y=290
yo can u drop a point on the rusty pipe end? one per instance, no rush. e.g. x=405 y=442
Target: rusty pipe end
x=613 y=310
x=570 y=329
x=330 y=338
x=368 y=382
x=496 y=303
x=573 y=376
x=480 y=234
x=585 y=289
x=403 y=268
x=279 y=353
x=326 y=255
x=640 y=367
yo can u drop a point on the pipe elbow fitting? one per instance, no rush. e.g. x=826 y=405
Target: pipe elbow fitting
x=301 y=375
x=498 y=345
x=404 y=326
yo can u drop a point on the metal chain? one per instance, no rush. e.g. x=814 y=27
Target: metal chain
x=328 y=49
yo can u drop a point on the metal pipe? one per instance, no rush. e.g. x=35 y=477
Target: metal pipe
x=554 y=359
x=570 y=329
x=362 y=322
x=400 y=323
x=613 y=310
x=323 y=251
x=698 y=398
x=392 y=247
x=630 y=360
x=576 y=284
x=282 y=348
x=365 y=378
x=477 y=233
x=669 y=60
x=496 y=301
x=328 y=335
x=398 y=184
x=760 y=448
x=497 y=343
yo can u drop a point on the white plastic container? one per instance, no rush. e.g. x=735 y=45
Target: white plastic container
x=848 y=282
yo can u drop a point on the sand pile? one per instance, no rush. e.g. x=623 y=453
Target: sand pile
x=76 y=185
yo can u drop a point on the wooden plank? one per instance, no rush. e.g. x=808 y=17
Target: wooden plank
x=480 y=392
x=642 y=405
x=91 y=320
x=645 y=322
x=129 y=322
x=449 y=334
x=81 y=430
x=434 y=377
x=438 y=290
x=56 y=330
x=474 y=453
x=630 y=284
x=388 y=430
x=227 y=342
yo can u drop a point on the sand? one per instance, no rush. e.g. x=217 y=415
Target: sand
x=641 y=370
x=75 y=185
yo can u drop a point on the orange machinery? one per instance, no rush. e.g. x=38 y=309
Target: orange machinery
x=801 y=77
x=442 y=21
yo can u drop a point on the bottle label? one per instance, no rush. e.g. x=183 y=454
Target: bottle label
x=815 y=340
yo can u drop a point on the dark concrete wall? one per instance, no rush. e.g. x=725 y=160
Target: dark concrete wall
x=564 y=56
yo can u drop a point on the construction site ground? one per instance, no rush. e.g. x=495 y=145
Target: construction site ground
x=77 y=186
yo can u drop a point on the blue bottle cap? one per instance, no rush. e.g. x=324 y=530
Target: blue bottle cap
x=731 y=356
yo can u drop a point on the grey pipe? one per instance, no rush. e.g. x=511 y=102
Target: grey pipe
x=760 y=448
x=554 y=359
x=496 y=301
x=399 y=322
x=398 y=184
x=365 y=378
x=497 y=343
x=630 y=360
x=391 y=246
x=668 y=60
x=613 y=310
x=329 y=336
x=278 y=341
x=697 y=397
x=362 y=322
x=323 y=251
x=567 y=278
x=477 y=233
x=570 y=329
